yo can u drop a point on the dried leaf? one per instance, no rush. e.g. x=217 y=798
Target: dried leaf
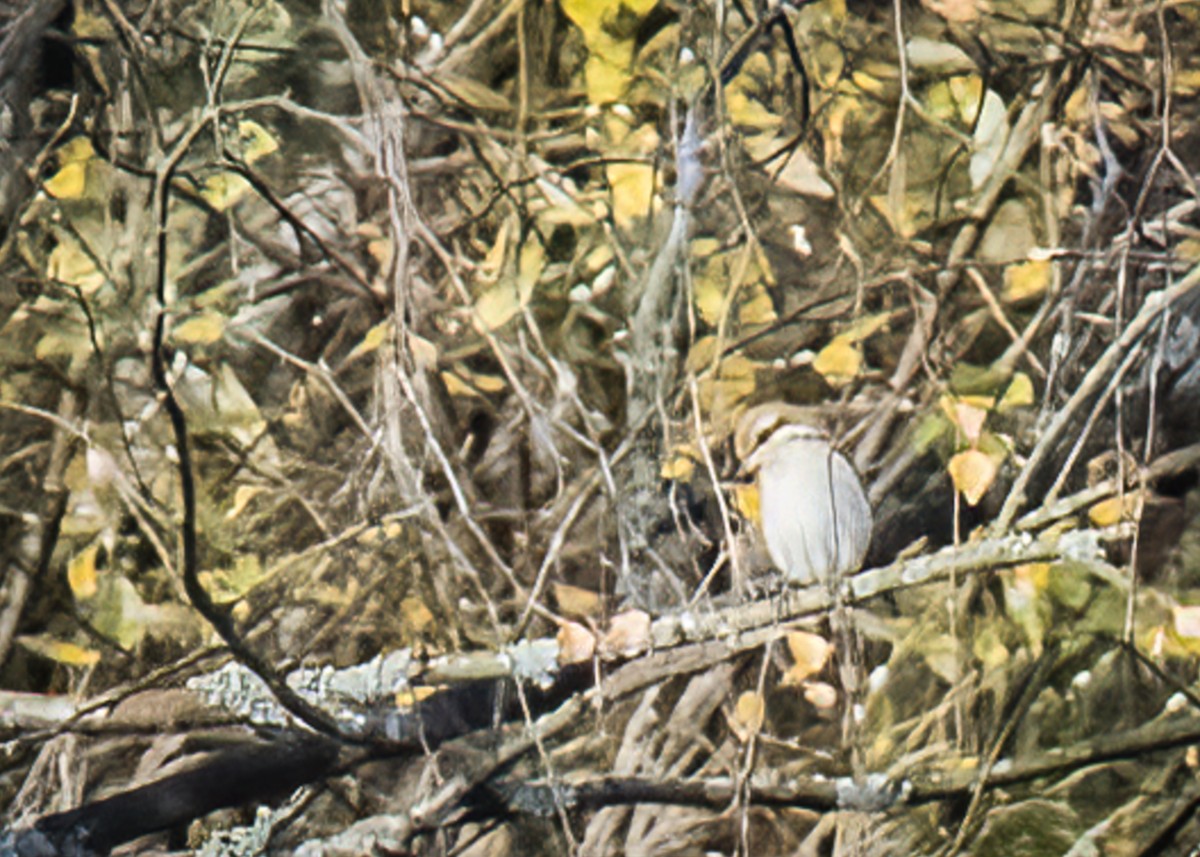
x=256 y=141
x=498 y=305
x=820 y=695
x=972 y=473
x=839 y=362
x=1018 y=395
x=70 y=182
x=628 y=634
x=223 y=189
x=577 y=602
x=415 y=616
x=803 y=176
x=746 y=501
x=748 y=715
x=756 y=306
x=68 y=654
x=576 y=644
x=81 y=573
x=530 y=264
x=632 y=190
x=1025 y=280
x=810 y=652
x=202 y=329
x=681 y=464
x=1108 y=513
x=371 y=341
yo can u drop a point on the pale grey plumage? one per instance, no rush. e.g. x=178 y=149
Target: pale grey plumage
x=815 y=517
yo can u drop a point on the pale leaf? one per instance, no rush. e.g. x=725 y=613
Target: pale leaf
x=972 y=473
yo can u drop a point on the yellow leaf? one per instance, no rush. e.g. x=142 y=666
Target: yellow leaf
x=257 y=141
x=1018 y=395
x=609 y=30
x=967 y=91
x=748 y=715
x=1032 y=578
x=225 y=294
x=757 y=306
x=810 y=652
x=88 y=25
x=76 y=151
x=907 y=213
x=700 y=355
x=972 y=473
x=411 y=696
x=681 y=465
x=989 y=648
x=81 y=573
x=839 y=362
x=1107 y=513
x=203 y=329
x=709 y=295
x=735 y=381
x=68 y=654
x=464 y=382
x=221 y=190
x=955 y=11
x=957 y=99
x=597 y=260
x=1024 y=280
x=371 y=341
x=746 y=501
x=608 y=71
x=68 y=183
x=632 y=190
x=749 y=113
x=55 y=345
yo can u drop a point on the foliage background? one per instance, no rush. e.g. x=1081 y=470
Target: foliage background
x=444 y=394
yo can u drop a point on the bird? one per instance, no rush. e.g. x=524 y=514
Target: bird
x=814 y=514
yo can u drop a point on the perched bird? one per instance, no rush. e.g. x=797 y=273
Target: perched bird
x=814 y=514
